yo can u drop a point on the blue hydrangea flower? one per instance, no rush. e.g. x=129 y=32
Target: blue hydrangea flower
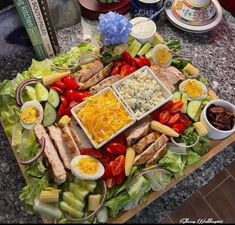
x=115 y=28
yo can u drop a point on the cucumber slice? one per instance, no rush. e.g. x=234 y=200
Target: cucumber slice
x=184 y=99
x=49 y=116
x=54 y=98
x=193 y=109
x=176 y=96
x=134 y=48
x=90 y=185
x=72 y=200
x=69 y=209
x=158 y=39
x=149 y=54
x=31 y=93
x=41 y=92
x=78 y=191
x=162 y=55
x=145 y=48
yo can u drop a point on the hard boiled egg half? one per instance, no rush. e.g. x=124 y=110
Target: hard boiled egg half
x=161 y=55
x=86 y=167
x=31 y=113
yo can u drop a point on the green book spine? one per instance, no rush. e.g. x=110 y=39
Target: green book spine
x=29 y=22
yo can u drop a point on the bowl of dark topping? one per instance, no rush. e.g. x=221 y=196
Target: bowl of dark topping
x=219 y=118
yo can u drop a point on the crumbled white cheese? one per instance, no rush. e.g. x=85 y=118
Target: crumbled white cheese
x=141 y=92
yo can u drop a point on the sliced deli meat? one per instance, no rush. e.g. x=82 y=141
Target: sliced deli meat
x=56 y=135
x=87 y=71
x=70 y=142
x=157 y=156
x=105 y=72
x=107 y=82
x=144 y=142
x=79 y=136
x=58 y=171
x=146 y=155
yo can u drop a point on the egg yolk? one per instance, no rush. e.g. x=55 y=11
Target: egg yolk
x=88 y=166
x=29 y=115
x=193 y=89
x=163 y=56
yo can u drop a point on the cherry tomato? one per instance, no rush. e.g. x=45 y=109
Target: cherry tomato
x=164 y=116
x=176 y=107
x=59 y=84
x=118 y=63
x=70 y=83
x=61 y=110
x=139 y=62
x=120 y=178
x=64 y=101
x=185 y=120
x=121 y=138
x=57 y=89
x=116 y=148
x=179 y=128
x=132 y=69
x=72 y=95
x=72 y=104
x=110 y=182
x=146 y=61
x=118 y=165
x=168 y=105
x=156 y=115
x=127 y=57
x=115 y=70
x=106 y=157
x=125 y=70
x=108 y=171
x=91 y=152
x=67 y=111
x=173 y=119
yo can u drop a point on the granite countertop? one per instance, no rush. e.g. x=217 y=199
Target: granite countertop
x=212 y=52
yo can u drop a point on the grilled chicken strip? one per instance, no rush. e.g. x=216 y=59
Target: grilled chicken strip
x=79 y=136
x=107 y=82
x=105 y=72
x=146 y=155
x=145 y=142
x=88 y=70
x=69 y=141
x=58 y=171
x=56 y=135
x=158 y=155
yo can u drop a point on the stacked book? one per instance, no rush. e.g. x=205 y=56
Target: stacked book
x=36 y=18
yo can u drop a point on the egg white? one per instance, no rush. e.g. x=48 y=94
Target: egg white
x=204 y=89
x=80 y=174
x=38 y=106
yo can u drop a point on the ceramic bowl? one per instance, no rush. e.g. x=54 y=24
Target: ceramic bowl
x=214 y=133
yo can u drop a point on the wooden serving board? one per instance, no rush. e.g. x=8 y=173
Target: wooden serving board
x=216 y=147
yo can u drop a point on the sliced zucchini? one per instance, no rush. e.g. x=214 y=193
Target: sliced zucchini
x=41 y=92
x=194 y=107
x=54 y=98
x=31 y=93
x=184 y=99
x=49 y=116
x=176 y=96
x=134 y=48
x=145 y=48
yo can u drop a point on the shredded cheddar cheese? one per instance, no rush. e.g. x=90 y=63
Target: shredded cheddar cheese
x=193 y=89
x=103 y=116
x=88 y=166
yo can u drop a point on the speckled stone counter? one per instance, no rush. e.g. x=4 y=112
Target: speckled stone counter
x=212 y=52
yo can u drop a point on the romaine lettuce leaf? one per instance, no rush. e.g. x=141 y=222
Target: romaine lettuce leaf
x=191 y=158
x=40 y=69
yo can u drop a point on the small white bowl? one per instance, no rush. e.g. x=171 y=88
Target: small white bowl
x=143 y=32
x=214 y=133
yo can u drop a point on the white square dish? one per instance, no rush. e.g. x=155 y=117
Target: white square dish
x=77 y=107
x=164 y=91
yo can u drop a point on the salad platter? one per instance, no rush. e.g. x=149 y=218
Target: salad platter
x=103 y=130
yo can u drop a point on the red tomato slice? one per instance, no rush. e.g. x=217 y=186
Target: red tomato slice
x=115 y=70
x=67 y=111
x=127 y=57
x=139 y=62
x=173 y=119
x=179 y=128
x=106 y=157
x=59 y=84
x=70 y=83
x=185 y=120
x=57 y=89
x=116 y=148
x=156 y=115
x=72 y=104
x=164 y=116
x=125 y=70
x=108 y=171
x=110 y=182
x=72 y=95
x=121 y=138
x=168 y=105
x=132 y=69
x=64 y=101
x=61 y=110
x=176 y=107
x=120 y=179
x=91 y=152
x=118 y=165
x=146 y=61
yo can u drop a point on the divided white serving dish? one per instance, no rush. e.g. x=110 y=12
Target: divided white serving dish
x=165 y=92
x=80 y=105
